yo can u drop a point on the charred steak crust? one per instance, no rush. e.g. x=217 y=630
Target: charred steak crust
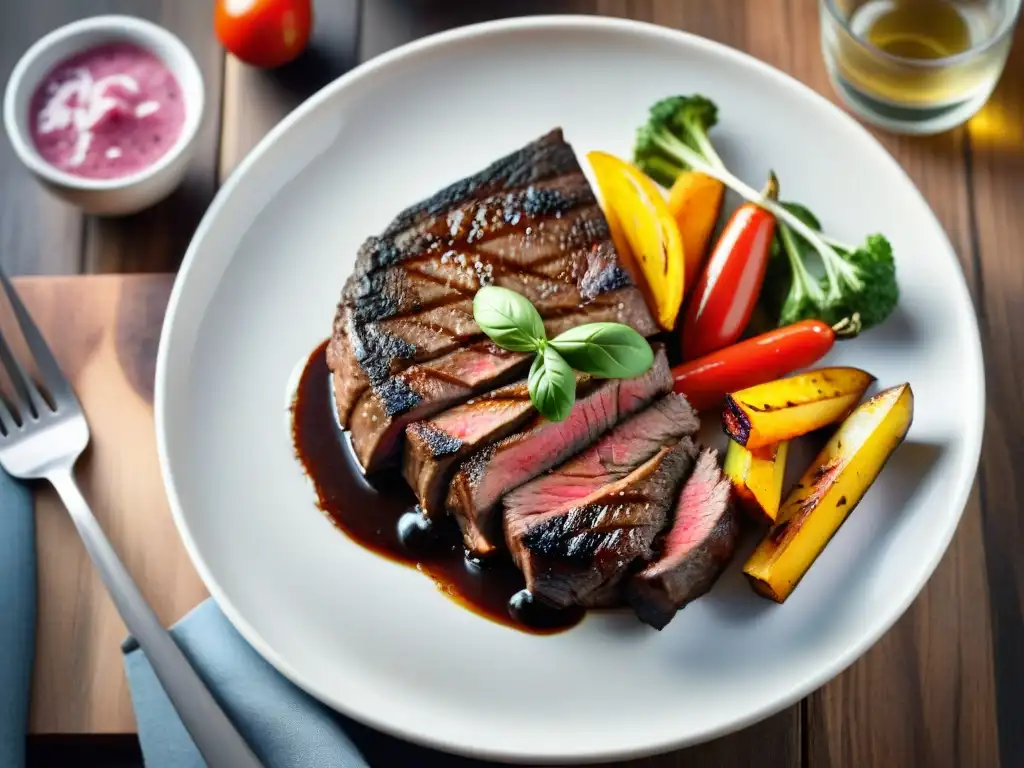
x=632 y=442
x=580 y=555
x=378 y=422
x=437 y=444
x=476 y=490
x=426 y=388
x=433 y=447
x=696 y=549
x=540 y=181
x=529 y=221
x=547 y=157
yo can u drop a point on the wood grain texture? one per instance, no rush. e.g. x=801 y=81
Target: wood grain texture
x=924 y=695
x=104 y=332
x=154 y=240
x=996 y=137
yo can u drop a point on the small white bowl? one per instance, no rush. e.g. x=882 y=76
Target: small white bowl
x=125 y=194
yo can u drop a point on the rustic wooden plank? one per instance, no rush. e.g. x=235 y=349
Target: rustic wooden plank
x=104 y=331
x=925 y=695
x=39 y=234
x=997 y=165
x=255 y=100
x=154 y=240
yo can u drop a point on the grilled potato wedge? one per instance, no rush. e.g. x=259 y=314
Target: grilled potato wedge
x=786 y=408
x=829 y=490
x=757 y=475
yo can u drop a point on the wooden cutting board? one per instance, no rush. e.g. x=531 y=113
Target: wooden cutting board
x=104 y=331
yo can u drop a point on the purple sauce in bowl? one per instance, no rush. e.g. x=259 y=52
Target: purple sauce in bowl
x=106 y=112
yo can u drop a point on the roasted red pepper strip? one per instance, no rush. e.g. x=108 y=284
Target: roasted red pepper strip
x=721 y=304
x=767 y=357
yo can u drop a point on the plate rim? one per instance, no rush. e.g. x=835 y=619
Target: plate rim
x=794 y=691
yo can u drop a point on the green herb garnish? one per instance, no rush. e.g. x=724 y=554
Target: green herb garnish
x=552 y=384
x=509 y=319
x=604 y=350
x=611 y=350
x=859 y=285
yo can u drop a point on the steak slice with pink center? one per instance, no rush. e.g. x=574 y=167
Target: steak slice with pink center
x=435 y=446
x=579 y=553
x=383 y=410
x=611 y=458
x=696 y=549
x=485 y=477
x=378 y=422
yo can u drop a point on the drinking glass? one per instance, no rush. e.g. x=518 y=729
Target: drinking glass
x=916 y=66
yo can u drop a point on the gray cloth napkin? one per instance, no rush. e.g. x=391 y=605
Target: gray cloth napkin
x=17 y=616
x=285 y=727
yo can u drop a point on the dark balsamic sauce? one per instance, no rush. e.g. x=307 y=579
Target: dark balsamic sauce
x=380 y=514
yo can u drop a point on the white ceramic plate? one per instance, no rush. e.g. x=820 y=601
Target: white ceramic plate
x=377 y=640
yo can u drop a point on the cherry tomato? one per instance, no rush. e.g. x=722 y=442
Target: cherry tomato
x=264 y=33
x=706 y=380
x=721 y=304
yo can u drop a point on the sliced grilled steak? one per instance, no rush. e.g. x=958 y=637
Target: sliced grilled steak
x=434 y=446
x=696 y=549
x=490 y=473
x=383 y=411
x=423 y=390
x=611 y=458
x=529 y=222
x=579 y=553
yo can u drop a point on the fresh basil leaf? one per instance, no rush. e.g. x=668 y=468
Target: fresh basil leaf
x=608 y=350
x=508 y=318
x=552 y=385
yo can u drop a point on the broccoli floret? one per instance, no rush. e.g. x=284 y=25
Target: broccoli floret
x=876 y=292
x=675 y=138
x=857 y=291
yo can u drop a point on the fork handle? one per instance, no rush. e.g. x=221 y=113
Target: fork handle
x=213 y=733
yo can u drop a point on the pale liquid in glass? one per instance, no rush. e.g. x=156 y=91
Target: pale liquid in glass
x=897 y=64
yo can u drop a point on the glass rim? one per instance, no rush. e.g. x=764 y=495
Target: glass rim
x=1008 y=24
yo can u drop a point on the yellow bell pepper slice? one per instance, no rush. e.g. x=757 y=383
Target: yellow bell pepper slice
x=645 y=233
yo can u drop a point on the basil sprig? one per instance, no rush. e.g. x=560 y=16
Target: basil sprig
x=603 y=350
x=509 y=318
x=552 y=384
x=611 y=350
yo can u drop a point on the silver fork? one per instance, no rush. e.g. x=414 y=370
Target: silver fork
x=44 y=442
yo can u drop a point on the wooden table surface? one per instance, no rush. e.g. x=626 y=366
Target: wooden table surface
x=945 y=687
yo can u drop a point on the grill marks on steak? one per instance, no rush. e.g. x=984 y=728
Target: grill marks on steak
x=381 y=414
x=529 y=221
x=696 y=549
x=377 y=423
x=490 y=473
x=433 y=447
x=611 y=458
x=605 y=295
x=580 y=553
